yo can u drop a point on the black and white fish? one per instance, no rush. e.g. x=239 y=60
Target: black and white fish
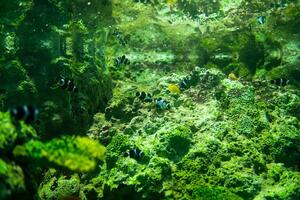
x=280 y=82
x=279 y=4
x=122 y=61
x=68 y=85
x=26 y=113
x=162 y=104
x=143 y=96
x=135 y=153
x=143 y=1
x=190 y=79
x=184 y=84
x=120 y=37
x=261 y=19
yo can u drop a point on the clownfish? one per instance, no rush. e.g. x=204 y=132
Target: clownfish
x=143 y=96
x=27 y=113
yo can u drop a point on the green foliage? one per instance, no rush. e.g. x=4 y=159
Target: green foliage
x=13 y=12
x=175 y=143
x=59 y=187
x=117 y=148
x=283 y=144
x=283 y=183
x=236 y=175
x=9 y=133
x=214 y=193
x=75 y=153
x=11 y=179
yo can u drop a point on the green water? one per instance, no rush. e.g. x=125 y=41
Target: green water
x=149 y=99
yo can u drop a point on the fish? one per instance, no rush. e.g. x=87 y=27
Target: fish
x=135 y=153
x=68 y=85
x=162 y=104
x=142 y=1
x=233 y=77
x=279 y=4
x=280 y=82
x=143 y=96
x=184 y=84
x=122 y=61
x=27 y=113
x=120 y=37
x=173 y=88
x=261 y=19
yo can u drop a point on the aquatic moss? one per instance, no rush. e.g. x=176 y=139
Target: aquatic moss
x=243 y=182
x=284 y=183
x=214 y=193
x=283 y=144
x=11 y=178
x=9 y=133
x=13 y=12
x=174 y=143
x=117 y=147
x=60 y=187
x=74 y=153
x=121 y=105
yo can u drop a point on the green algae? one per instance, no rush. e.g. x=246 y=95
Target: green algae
x=75 y=153
x=223 y=138
x=12 y=179
x=10 y=134
x=65 y=186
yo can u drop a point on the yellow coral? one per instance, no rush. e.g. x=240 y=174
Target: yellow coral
x=174 y=88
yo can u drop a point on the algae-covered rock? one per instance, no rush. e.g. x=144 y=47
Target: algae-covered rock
x=42 y=42
x=10 y=134
x=75 y=153
x=59 y=188
x=13 y=12
x=12 y=179
x=285 y=183
x=213 y=193
x=175 y=143
x=229 y=133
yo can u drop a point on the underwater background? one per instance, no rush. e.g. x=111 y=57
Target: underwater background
x=150 y=99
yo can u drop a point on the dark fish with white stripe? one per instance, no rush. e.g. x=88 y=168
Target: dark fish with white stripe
x=143 y=96
x=184 y=84
x=26 y=113
x=261 y=19
x=162 y=104
x=120 y=37
x=135 y=153
x=280 y=82
x=122 y=61
x=68 y=85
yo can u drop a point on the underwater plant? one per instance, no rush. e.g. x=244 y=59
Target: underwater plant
x=148 y=99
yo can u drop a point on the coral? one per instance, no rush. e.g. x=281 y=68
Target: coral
x=74 y=153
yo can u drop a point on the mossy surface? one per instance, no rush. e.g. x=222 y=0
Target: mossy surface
x=229 y=132
x=75 y=153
